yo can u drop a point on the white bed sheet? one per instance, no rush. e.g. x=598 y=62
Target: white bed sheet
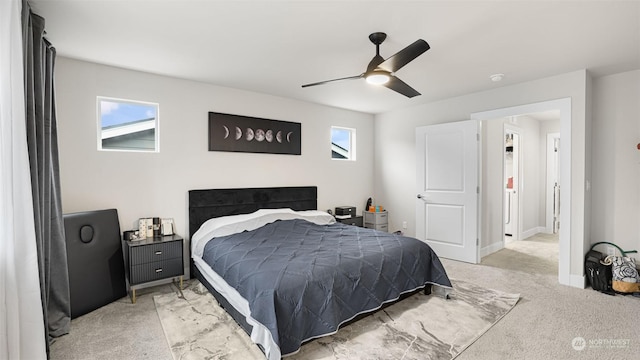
x=259 y=333
x=227 y=225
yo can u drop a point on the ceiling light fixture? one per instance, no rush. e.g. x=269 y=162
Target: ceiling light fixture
x=381 y=71
x=496 y=77
x=378 y=77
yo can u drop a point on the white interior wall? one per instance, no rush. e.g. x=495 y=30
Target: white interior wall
x=492 y=187
x=530 y=179
x=616 y=160
x=156 y=184
x=395 y=165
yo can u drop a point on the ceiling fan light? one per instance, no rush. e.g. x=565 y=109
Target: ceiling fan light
x=378 y=78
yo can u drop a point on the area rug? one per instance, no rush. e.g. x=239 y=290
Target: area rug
x=418 y=327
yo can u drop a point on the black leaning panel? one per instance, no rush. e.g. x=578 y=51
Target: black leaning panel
x=211 y=203
x=94 y=259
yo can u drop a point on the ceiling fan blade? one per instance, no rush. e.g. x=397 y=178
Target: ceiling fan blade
x=404 y=56
x=328 y=81
x=401 y=87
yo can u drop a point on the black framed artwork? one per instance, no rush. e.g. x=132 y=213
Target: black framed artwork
x=237 y=133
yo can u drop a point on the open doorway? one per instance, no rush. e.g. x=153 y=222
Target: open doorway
x=511 y=182
x=533 y=224
x=529 y=241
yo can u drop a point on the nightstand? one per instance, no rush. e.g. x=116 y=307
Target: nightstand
x=152 y=259
x=354 y=220
x=376 y=220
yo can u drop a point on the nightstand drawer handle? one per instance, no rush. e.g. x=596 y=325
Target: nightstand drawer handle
x=158 y=252
x=159 y=270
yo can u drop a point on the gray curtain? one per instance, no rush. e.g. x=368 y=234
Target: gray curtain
x=42 y=141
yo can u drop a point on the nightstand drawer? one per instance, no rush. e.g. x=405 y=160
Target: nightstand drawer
x=156 y=270
x=152 y=259
x=381 y=227
x=381 y=217
x=155 y=252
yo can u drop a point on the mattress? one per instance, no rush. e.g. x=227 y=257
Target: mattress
x=296 y=276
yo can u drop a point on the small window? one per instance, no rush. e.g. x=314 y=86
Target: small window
x=343 y=143
x=127 y=125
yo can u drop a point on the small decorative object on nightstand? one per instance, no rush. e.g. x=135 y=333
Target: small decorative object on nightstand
x=378 y=220
x=152 y=259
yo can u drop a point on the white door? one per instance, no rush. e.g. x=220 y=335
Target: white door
x=447 y=194
x=553 y=184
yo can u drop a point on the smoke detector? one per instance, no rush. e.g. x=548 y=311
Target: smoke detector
x=496 y=77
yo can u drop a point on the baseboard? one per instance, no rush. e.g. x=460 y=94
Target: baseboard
x=578 y=281
x=533 y=231
x=488 y=250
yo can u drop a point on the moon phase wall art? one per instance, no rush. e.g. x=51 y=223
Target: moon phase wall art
x=236 y=133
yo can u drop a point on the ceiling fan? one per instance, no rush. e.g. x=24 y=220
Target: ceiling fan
x=380 y=71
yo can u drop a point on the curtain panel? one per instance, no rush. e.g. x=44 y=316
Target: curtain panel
x=42 y=140
x=21 y=317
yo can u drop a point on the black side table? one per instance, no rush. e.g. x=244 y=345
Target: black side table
x=152 y=259
x=354 y=220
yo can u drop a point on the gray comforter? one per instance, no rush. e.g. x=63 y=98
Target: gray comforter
x=304 y=280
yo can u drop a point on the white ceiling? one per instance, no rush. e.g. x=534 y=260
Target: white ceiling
x=274 y=47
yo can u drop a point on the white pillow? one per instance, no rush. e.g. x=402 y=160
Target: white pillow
x=227 y=225
x=317 y=216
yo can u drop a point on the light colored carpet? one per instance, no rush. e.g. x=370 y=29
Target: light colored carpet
x=543 y=325
x=120 y=330
x=550 y=319
x=535 y=255
x=418 y=327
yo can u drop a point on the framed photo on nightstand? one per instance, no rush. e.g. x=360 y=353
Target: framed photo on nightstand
x=167 y=226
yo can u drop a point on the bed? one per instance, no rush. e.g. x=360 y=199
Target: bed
x=288 y=273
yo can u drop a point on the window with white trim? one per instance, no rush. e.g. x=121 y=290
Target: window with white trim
x=127 y=125
x=343 y=143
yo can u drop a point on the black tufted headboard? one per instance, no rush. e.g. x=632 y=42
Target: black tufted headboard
x=207 y=204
